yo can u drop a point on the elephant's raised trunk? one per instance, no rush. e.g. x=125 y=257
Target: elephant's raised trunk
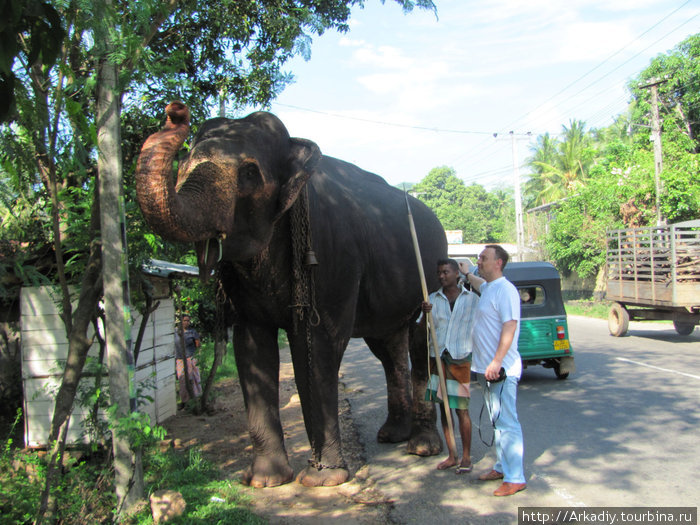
x=173 y=216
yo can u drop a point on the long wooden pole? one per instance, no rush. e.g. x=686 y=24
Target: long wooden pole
x=429 y=320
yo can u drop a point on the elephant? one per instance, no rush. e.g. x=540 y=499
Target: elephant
x=255 y=201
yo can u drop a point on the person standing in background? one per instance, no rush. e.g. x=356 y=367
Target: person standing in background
x=187 y=341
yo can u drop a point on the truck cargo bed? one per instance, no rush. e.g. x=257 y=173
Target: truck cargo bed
x=655 y=266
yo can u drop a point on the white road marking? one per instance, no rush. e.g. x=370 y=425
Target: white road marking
x=657 y=368
x=559 y=491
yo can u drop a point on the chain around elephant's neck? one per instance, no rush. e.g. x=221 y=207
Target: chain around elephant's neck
x=303 y=305
x=303 y=290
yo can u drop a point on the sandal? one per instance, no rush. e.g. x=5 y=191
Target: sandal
x=464 y=470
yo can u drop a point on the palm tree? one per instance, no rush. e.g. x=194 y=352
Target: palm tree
x=560 y=168
x=544 y=154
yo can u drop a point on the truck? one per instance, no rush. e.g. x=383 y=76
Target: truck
x=653 y=273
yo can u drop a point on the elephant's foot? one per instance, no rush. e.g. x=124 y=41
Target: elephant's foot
x=395 y=431
x=268 y=472
x=312 y=476
x=424 y=442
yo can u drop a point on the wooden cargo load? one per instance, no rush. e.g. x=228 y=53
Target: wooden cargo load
x=655 y=266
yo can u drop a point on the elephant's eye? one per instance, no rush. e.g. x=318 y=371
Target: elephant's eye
x=249 y=178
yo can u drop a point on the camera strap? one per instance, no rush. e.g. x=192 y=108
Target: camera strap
x=493 y=418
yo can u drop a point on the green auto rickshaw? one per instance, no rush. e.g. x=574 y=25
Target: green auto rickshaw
x=544 y=332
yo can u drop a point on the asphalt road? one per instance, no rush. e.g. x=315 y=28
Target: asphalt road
x=623 y=430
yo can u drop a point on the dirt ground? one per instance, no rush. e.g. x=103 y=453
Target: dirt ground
x=223 y=439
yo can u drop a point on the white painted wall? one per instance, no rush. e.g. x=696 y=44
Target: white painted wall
x=44 y=351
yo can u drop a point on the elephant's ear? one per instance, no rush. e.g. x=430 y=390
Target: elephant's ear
x=304 y=156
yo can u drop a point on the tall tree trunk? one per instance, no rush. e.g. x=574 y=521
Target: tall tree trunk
x=127 y=462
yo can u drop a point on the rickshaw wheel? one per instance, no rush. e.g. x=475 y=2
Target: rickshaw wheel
x=618 y=320
x=558 y=372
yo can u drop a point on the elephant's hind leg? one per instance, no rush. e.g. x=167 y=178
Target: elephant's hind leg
x=392 y=351
x=425 y=439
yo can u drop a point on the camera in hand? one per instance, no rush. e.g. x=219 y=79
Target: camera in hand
x=501 y=376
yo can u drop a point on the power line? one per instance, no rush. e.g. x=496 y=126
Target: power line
x=384 y=123
x=521 y=118
x=609 y=58
x=633 y=57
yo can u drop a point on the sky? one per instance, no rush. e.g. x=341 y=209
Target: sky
x=400 y=94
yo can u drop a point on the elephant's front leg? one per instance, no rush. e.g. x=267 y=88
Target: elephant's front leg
x=257 y=359
x=316 y=374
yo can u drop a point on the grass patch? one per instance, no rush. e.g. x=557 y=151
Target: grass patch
x=588 y=308
x=198 y=481
x=227 y=368
x=206 y=358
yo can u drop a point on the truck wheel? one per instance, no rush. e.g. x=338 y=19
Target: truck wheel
x=684 y=328
x=618 y=320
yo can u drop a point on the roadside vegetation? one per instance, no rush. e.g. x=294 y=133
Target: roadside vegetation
x=86 y=493
x=594 y=180
x=588 y=308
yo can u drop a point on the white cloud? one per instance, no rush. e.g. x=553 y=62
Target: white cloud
x=592 y=41
x=350 y=42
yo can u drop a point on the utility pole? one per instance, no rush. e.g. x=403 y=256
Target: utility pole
x=519 y=230
x=656 y=139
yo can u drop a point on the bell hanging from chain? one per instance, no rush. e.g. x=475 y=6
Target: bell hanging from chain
x=310 y=258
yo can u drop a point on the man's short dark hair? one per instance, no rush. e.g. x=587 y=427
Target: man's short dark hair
x=501 y=253
x=449 y=262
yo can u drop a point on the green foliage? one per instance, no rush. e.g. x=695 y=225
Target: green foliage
x=40 y=24
x=560 y=168
x=619 y=189
x=19 y=491
x=86 y=492
x=206 y=357
x=679 y=94
x=482 y=216
x=136 y=428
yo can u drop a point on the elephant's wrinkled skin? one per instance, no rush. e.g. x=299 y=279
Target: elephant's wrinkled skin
x=238 y=184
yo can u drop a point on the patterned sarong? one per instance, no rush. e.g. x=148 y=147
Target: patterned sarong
x=457 y=379
x=192 y=373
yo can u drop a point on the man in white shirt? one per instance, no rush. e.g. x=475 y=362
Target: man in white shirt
x=453 y=309
x=496 y=334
